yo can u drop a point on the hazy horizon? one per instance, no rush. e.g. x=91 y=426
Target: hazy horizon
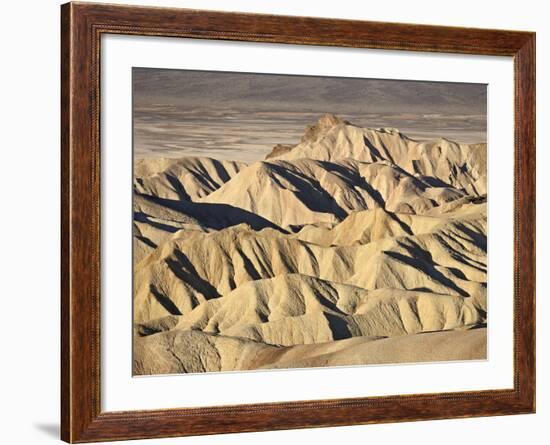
x=241 y=116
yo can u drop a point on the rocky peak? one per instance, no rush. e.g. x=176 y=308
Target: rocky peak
x=324 y=124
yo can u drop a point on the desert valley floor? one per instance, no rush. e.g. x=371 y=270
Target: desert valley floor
x=355 y=246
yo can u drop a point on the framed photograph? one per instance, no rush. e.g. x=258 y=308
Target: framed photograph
x=274 y=222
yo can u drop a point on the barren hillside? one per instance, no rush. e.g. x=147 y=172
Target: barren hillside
x=354 y=246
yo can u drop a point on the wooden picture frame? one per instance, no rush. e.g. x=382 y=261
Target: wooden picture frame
x=82 y=25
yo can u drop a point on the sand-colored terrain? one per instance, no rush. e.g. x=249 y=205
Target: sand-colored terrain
x=354 y=246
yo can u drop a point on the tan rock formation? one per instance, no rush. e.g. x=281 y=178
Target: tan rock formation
x=355 y=246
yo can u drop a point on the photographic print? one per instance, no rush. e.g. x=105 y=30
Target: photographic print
x=285 y=221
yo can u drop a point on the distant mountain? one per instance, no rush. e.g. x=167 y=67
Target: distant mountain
x=462 y=166
x=217 y=90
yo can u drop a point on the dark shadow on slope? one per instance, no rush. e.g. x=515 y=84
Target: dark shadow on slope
x=422 y=289
x=214 y=216
x=458 y=255
x=178 y=188
x=479 y=239
x=185 y=271
x=436 y=182
x=338 y=327
x=310 y=192
x=404 y=227
x=374 y=151
x=354 y=179
x=146 y=241
x=419 y=262
x=457 y=273
x=202 y=177
x=479 y=326
x=248 y=266
x=375 y=194
x=222 y=172
x=155 y=326
x=164 y=301
x=144 y=218
x=327 y=303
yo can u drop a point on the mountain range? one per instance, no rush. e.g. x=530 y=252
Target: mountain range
x=353 y=246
